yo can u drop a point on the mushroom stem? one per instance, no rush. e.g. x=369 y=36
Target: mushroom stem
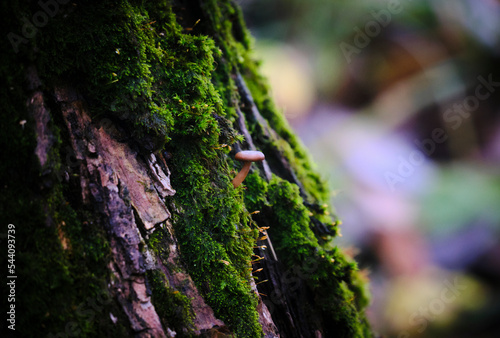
x=247 y=157
x=242 y=174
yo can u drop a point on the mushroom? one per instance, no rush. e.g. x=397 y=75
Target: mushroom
x=247 y=157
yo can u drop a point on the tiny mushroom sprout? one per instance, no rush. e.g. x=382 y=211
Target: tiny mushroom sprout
x=247 y=157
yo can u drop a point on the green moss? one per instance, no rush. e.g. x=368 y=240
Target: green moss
x=338 y=293
x=158 y=243
x=136 y=68
x=173 y=308
x=215 y=237
x=58 y=285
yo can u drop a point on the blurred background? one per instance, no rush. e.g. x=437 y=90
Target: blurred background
x=398 y=102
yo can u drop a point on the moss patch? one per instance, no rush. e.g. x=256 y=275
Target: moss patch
x=173 y=308
x=338 y=296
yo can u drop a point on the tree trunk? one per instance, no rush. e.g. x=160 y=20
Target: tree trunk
x=120 y=125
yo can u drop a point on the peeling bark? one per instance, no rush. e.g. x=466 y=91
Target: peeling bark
x=40 y=113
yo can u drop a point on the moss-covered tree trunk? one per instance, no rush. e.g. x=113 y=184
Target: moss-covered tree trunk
x=120 y=121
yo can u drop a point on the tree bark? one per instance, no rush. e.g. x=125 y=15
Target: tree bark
x=121 y=124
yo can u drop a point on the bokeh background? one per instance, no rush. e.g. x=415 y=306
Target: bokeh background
x=398 y=102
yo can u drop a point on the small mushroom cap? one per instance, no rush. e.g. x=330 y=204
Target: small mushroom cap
x=249 y=156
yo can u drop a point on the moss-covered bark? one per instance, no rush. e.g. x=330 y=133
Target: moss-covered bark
x=171 y=90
